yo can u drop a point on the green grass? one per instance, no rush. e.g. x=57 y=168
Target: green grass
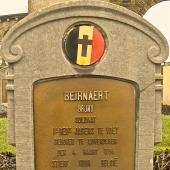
x=4 y=147
x=166 y=134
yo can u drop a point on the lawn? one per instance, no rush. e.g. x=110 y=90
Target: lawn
x=166 y=134
x=4 y=147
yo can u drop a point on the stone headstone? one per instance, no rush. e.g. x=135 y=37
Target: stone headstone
x=84 y=88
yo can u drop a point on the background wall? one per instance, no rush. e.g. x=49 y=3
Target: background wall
x=166 y=85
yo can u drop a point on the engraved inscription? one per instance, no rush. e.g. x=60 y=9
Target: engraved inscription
x=61 y=131
x=102 y=141
x=84 y=123
x=57 y=163
x=112 y=130
x=109 y=163
x=85 y=119
x=90 y=152
x=109 y=151
x=85 y=108
x=61 y=152
x=84 y=131
x=63 y=141
x=84 y=163
x=85 y=95
x=81 y=141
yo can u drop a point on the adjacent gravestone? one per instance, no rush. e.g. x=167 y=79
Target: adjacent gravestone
x=3 y=91
x=84 y=88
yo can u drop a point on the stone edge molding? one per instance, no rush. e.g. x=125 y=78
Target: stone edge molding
x=12 y=52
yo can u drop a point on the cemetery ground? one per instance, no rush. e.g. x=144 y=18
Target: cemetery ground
x=161 y=158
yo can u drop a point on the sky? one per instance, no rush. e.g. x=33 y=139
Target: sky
x=13 y=7
x=159 y=16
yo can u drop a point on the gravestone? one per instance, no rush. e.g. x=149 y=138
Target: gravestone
x=84 y=88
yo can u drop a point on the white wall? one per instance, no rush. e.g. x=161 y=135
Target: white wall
x=11 y=7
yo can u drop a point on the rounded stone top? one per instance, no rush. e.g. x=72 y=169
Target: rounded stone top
x=13 y=52
x=138 y=6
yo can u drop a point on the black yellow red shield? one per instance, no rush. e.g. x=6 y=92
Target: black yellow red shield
x=84 y=45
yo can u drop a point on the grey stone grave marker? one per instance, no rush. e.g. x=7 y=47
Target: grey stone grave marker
x=84 y=88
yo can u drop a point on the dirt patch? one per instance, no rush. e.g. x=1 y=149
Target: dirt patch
x=166 y=109
x=162 y=160
x=7 y=161
x=3 y=114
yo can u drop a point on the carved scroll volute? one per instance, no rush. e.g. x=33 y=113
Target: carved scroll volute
x=155 y=55
x=11 y=53
x=158 y=54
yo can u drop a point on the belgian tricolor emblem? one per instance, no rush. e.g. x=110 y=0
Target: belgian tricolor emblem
x=84 y=45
